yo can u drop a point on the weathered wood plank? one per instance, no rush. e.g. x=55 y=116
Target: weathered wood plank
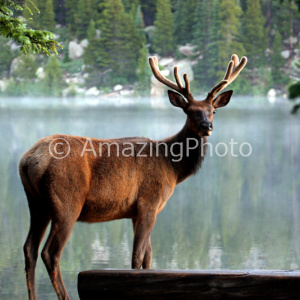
x=192 y=284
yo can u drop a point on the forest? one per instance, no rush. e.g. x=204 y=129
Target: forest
x=106 y=44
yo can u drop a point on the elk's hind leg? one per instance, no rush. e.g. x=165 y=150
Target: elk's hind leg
x=62 y=224
x=39 y=220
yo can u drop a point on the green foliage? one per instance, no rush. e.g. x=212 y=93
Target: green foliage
x=254 y=39
x=163 y=39
x=83 y=17
x=72 y=66
x=228 y=34
x=90 y=54
x=26 y=68
x=263 y=82
x=32 y=41
x=119 y=43
x=217 y=29
x=184 y=20
x=277 y=61
x=206 y=33
x=285 y=17
x=6 y=57
x=48 y=19
x=53 y=82
x=144 y=73
x=294 y=91
x=202 y=24
x=296 y=2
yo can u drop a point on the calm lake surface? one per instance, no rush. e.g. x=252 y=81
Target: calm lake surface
x=236 y=213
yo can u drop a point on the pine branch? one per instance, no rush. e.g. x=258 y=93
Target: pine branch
x=31 y=41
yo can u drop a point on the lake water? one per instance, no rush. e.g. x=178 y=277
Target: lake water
x=236 y=213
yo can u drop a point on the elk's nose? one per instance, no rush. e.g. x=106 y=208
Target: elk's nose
x=206 y=126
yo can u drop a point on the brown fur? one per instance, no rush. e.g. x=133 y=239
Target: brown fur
x=105 y=188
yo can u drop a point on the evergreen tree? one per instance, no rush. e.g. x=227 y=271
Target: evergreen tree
x=179 y=17
x=70 y=15
x=6 y=57
x=86 y=11
x=184 y=20
x=53 y=82
x=149 y=9
x=119 y=43
x=35 y=21
x=202 y=24
x=277 y=61
x=143 y=72
x=130 y=5
x=206 y=41
x=229 y=29
x=26 y=69
x=254 y=34
x=163 y=39
x=90 y=54
x=31 y=41
x=48 y=17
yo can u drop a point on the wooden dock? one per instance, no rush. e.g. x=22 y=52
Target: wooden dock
x=188 y=284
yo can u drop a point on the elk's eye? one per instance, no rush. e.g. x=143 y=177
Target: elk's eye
x=214 y=111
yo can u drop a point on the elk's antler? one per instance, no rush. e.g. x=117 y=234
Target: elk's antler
x=185 y=91
x=234 y=68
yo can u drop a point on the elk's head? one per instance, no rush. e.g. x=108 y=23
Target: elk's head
x=200 y=113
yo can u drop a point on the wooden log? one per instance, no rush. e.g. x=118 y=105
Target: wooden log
x=191 y=284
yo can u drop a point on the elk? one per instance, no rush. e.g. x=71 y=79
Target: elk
x=91 y=188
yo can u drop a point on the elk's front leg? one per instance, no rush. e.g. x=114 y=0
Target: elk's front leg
x=143 y=225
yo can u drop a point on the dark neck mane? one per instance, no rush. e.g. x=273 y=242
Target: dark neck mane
x=188 y=164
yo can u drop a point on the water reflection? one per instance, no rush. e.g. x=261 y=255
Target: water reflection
x=236 y=213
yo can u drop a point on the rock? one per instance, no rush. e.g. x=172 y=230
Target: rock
x=84 y=43
x=3 y=85
x=157 y=88
x=184 y=66
x=291 y=40
x=126 y=92
x=271 y=93
x=285 y=54
x=15 y=64
x=40 y=74
x=85 y=75
x=149 y=30
x=75 y=50
x=118 y=87
x=98 y=33
x=13 y=45
x=75 y=80
x=166 y=61
x=187 y=50
x=93 y=91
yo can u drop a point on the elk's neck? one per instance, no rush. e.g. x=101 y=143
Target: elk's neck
x=192 y=148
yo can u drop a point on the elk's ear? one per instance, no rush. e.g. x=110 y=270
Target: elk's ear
x=222 y=100
x=177 y=100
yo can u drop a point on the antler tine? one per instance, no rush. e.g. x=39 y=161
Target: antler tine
x=234 y=68
x=177 y=77
x=187 y=84
x=235 y=59
x=239 y=68
x=185 y=91
x=229 y=70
